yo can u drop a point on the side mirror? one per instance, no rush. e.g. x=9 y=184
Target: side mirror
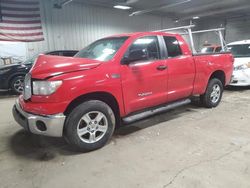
x=135 y=55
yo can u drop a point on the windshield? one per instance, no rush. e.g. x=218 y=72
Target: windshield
x=241 y=50
x=102 y=50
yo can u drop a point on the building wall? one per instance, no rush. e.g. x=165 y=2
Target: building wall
x=77 y=24
x=236 y=29
x=209 y=37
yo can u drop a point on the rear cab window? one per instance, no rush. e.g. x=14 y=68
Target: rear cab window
x=218 y=49
x=207 y=50
x=173 y=46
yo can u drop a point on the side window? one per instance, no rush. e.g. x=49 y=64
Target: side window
x=149 y=45
x=173 y=46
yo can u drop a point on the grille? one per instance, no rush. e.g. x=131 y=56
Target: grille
x=27 y=87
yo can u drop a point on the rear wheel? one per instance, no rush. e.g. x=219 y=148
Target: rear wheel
x=90 y=125
x=17 y=84
x=213 y=94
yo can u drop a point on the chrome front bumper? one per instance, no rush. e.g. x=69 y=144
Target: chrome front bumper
x=51 y=125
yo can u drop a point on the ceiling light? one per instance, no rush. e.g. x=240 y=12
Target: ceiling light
x=196 y=17
x=123 y=7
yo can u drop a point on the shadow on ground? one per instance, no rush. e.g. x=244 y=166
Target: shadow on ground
x=125 y=130
x=34 y=147
x=237 y=88
x=6 y=94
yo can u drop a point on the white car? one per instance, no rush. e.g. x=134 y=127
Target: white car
x=241 y=52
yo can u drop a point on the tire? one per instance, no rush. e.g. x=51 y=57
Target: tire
x=213 y=94
x=17 y=84
x=89 y=126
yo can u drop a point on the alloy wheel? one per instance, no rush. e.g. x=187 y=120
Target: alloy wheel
x=92 y=127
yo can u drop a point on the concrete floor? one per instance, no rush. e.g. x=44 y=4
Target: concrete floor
x=187 y=147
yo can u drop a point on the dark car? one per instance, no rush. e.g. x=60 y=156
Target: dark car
x=12 y=76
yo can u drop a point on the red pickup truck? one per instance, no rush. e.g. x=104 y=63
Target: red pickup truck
x=121 y=78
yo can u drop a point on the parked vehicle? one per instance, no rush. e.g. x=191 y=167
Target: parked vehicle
x=12 y=76
x=211 y=49
x=120 y=78
x=241 y=52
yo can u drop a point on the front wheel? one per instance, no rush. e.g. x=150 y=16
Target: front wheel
x=213 y=94
x=90 y=125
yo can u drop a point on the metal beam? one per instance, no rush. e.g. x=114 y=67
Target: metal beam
x=62 y=3
x=217 y=12
x=191 y=40
x=208 y=30
x=221 y=40
x=190 y=33
x=176 y=28
x=158 y=8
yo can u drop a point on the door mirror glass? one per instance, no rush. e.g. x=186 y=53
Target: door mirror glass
x=135 y=55
x=142 y=49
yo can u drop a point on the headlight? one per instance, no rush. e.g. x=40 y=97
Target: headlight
x=4 y=71
x=242 y=67
x=45 y=87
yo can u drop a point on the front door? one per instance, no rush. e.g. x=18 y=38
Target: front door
x=144 y=82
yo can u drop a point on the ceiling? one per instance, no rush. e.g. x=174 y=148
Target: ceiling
x=183 y=11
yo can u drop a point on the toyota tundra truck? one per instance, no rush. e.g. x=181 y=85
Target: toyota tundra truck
x=118 y=79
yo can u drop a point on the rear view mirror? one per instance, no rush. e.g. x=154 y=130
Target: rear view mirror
x=135 y=55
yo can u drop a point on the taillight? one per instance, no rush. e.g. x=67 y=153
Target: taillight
x=232 y=58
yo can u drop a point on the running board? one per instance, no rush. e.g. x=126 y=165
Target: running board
x=151 y=112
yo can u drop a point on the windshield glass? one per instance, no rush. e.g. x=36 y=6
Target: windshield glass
x=102 y=50
x=207 y=50
x=242 y=50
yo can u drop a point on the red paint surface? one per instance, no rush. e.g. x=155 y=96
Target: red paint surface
x=185 y=76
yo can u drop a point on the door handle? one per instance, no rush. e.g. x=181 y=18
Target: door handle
x=162 y=67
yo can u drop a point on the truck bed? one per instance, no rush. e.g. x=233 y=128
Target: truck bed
x=210 y=62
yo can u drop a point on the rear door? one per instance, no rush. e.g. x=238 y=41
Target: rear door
x=181 y=70
x=144 y=83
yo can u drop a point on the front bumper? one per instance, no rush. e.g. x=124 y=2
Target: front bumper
x=240 y=78
x=51 y=125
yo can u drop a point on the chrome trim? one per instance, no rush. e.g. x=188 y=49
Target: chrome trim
x=54 y=123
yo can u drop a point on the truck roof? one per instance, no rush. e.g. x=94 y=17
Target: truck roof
x=143 y=33
x=240 y=42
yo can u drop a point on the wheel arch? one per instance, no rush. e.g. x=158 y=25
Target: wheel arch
x=219 y=74
x=105 y=97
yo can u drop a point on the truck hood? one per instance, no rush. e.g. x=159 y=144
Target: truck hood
x=48 y=65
